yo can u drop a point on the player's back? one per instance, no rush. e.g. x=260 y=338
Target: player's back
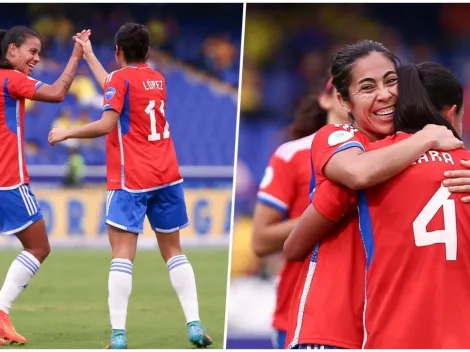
x=285 y=187
x=141 y=143
x=418 y=246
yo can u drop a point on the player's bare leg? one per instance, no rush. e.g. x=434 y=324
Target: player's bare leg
x=22 y=270
x=183 y=281
x=123 y=246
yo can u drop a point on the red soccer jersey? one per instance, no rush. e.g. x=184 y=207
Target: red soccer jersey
x=327 y=305
x=285 y=187
x=417 y=244
x=140 y=152
x=16 y=87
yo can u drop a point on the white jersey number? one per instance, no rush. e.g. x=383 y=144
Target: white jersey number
x=447 y=236
x=154 y=135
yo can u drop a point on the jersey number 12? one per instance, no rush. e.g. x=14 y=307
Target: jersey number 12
x=447 y=236
x=154 y=135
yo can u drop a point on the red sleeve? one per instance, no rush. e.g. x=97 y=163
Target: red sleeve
x=115 y=89
x=334 y=201
x=277 y=188
x=21 y=86
x=330 y=140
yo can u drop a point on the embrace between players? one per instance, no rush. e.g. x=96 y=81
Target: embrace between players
x=143 y=177
x=378 y=238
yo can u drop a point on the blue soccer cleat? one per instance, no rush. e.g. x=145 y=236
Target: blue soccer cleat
x=197 y=335
x=118 y=340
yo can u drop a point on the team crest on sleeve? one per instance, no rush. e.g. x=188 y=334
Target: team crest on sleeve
x=110 y=92
x=267 y=178
x=338 y=137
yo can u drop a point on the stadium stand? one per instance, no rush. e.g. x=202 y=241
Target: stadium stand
x=199 y=58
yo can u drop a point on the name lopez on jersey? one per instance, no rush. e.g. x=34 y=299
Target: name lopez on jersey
x=433 y=155
x=149 y=85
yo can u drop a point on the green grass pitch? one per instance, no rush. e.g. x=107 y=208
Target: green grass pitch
x=66 y=304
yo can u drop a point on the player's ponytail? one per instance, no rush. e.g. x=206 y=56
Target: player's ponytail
x=310 y=115
x=415 y=109
x=2 y=35
x=3 y=32
x=309 y=118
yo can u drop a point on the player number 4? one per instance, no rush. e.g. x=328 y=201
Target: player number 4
x=154 y=135
x=447 y=236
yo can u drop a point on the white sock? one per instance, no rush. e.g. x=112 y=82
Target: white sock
x=119 y=291
x=21 y=271
x=184 y=283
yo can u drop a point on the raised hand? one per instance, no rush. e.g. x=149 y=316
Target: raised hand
x=85 y=44
x=78 y=48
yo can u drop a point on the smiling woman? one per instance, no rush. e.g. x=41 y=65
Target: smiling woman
x=365 y=77
x=372 y=94
x=367 y=80
x=20 y=51
x=293 y=58
x=20 y=212
x=413 y=238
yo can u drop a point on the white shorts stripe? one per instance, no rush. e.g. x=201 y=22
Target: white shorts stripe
x=119 y=226
x=29 y=199
x=108 y=201
x=25 y=201
x=32 y=202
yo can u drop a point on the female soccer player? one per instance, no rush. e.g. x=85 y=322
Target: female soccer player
x=417 y=267
x=20 y=214
x=284 y=194
x=325 y=311
x=142 y=174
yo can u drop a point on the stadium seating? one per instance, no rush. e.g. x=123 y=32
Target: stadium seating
x=201 y=113
x=202 y=120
